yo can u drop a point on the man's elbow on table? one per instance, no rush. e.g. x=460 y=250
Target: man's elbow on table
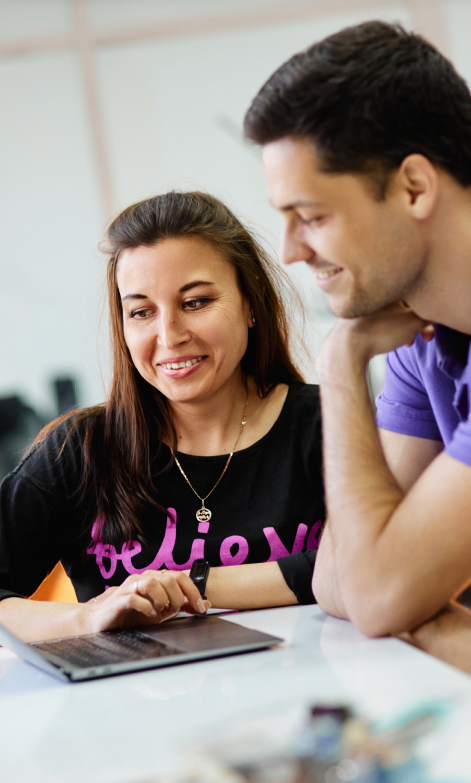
x=376 y=610
x=391 y=609
x=325 y=584
x=377 y=615
x=368 y=613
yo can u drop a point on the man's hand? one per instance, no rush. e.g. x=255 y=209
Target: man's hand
x=446 y=636
x=362 y=338
x=400 y=540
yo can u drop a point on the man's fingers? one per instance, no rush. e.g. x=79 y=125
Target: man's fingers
x=428 y=333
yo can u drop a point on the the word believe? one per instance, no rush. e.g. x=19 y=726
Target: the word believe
x=164 y=556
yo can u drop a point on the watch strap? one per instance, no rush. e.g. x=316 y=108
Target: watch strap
x=199 y=573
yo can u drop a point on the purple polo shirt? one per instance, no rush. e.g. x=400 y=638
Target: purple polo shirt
x=427 y=392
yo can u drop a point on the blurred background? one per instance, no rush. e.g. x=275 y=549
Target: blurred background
x=106 y=102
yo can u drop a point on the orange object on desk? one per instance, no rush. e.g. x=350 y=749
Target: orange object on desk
x=56 y=587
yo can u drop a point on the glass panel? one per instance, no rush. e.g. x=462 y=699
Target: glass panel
x=108 y=14
x=458 y=17
x=34 y=18
x=51 y=221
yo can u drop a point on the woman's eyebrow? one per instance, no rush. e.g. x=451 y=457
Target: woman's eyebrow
x=184 y=288
x=195 y=284
x=134 y=296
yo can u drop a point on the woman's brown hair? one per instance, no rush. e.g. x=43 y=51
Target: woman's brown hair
x=123 y=437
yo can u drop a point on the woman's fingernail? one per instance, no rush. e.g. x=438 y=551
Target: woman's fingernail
x=201 y=607
x=153 y=613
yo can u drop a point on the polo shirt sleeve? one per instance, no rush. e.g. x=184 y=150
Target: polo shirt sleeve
x=460 y=446
x=404 y=405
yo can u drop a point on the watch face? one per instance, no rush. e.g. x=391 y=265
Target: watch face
x=199 y=569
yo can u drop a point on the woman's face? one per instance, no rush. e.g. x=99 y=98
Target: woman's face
x=185 y=320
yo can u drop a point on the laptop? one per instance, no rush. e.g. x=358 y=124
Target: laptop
x=184 y=639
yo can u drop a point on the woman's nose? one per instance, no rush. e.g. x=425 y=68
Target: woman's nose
x=171 y=331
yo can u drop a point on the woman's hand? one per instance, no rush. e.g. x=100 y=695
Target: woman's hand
x=151 y=597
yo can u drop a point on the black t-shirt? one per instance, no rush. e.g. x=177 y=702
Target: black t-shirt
x=268 y=506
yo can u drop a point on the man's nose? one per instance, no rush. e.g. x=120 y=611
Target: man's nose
x=293 y=246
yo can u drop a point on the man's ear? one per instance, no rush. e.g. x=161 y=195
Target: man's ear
x=419 y=180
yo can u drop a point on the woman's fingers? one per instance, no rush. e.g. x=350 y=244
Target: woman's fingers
x=103 y=596
x=154 y=595
x=189 y=609
x=136 y=603
x=122 y=609
x=161 y=592
x=177 y=587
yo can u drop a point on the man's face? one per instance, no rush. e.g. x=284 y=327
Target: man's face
x=365 y=253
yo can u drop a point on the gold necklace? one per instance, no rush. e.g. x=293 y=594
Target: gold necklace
x=204 y=514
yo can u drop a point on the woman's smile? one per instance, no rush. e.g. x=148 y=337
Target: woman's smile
x=181 y=367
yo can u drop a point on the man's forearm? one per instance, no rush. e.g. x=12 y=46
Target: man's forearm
x=392 y=574
x=361 y=491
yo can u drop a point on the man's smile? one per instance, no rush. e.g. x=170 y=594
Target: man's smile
x=325 y=275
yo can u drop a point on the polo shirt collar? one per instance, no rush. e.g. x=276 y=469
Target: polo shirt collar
x=452 y=349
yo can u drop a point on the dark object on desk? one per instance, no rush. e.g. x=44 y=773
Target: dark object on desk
x=145 y=647
x=66 y=394
x=19 y=425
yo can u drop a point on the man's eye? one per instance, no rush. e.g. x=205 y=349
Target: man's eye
x=311 y=220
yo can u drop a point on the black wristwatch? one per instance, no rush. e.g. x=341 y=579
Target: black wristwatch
x=199 y=575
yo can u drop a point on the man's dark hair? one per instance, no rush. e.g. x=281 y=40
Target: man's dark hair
x=368 y=96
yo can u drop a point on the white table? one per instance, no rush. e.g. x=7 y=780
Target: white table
x=131 y=727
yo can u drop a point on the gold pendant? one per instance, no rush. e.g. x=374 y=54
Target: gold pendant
x=203 y=514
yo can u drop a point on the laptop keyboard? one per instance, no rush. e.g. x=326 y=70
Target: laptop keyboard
x=105 y=649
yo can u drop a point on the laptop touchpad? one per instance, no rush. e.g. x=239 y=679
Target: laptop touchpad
x=197 y=634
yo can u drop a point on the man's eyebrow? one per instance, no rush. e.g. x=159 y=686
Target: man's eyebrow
x=300 y=203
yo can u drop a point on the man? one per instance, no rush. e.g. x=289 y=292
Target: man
x=367 y=146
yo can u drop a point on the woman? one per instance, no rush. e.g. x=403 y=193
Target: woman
x=129 y=493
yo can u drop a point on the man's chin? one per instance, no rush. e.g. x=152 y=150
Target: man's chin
x=342 y=309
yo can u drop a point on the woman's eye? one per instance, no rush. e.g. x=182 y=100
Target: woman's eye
x=140 y=314
x=195 y=304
